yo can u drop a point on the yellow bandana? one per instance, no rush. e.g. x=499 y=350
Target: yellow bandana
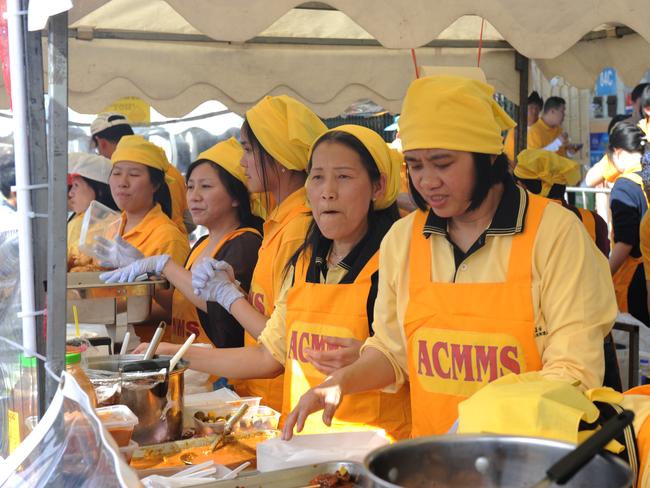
x=227 y=154
x=388 y=160
x=138 y=150
x=286 y=129
x=548 y=167
x=452 y=112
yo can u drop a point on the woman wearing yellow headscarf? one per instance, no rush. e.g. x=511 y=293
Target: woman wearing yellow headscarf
x=324 y=309
x=218 y=199
x=138 y=184
x=483 y=280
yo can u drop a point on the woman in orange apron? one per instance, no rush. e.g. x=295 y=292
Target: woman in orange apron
x=628 y=203
x=218 y=200
x=324 y=309
x=483 y=280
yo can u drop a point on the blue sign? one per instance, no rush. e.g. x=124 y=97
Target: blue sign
x=597 y=146
x=606 y=84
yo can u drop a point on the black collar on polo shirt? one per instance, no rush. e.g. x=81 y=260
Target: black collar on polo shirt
x=508 y=219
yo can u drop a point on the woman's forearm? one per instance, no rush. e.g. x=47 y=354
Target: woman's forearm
x=619 y=253
x=181 y=279
x=248 y=316
x=372 y=371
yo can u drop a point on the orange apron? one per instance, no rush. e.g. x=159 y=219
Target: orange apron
x=589 y=221
x=185 y=319
x=623 y=276
x=460 y=336
x=262 y=297
x=316 y=311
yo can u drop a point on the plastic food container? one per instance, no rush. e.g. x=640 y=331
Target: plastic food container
x=99 y=220
x=213 y=402
x=256 y=419
x=120 y=421
x=127 y=452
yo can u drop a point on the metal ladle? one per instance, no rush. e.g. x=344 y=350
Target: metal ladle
x=188 y=457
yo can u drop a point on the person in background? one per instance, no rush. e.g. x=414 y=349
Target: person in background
x=535 y=105
x=548 y=174
x=485 y=279
x=219 y=200
x=547 y=133
x=628 y=204
x=87 y=181
x=604 y=173
x=8 y=215
x=644 y=111
x=107 y=130
x=324 y=309
x=644 y=230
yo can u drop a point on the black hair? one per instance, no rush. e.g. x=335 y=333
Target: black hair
x=115 y=133
x=236 y=190
x=645 y=100
x=262 y=156
x=535 y=186
x=615 y=120
x=535 y=99
x=102 y=192
x=637 y=91
x=379 y=221
x=487 y=174
x=7 y=174
x=626 y=136
x=161 y=195
x=554 y=103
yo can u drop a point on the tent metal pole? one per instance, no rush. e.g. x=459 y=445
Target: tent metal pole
x=57 y=157
x=521 y=65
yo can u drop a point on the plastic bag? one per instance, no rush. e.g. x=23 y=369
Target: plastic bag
x=68 y=447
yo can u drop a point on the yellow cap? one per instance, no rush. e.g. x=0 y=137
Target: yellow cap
x=548 y=167
x=527 y=404
x=388 y=160
x=452 y=112
x=227 y=154
x=286 y=129
x=138 y=150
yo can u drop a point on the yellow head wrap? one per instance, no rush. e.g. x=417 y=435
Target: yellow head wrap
x=138 y=150
x=547 y=166
x=227 y=154
x=286 y=129
x=452 y=112
x=388 y=160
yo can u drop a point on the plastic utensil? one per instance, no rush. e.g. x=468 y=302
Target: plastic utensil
x=229 y=425
x=179 y=354
x=564 y=469
x=76 y=321
x=151 y=350
x=233 y=474
x=125 y=343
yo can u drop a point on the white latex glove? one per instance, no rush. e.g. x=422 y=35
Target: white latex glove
x=129 y=273
x=115 y=254
x=212 y=281
x=555 y=145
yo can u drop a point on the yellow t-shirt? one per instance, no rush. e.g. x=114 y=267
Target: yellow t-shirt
x=74 y=231
x=572 y=291
x=157 y=234
x=541 y=135
x=644 y=235
x=178 y=192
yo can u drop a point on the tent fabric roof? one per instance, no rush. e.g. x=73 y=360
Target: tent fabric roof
x=178 y=53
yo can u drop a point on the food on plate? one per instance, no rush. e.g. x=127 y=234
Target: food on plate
x=341 y=478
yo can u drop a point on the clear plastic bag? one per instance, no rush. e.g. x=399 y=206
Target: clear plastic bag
x=68 y=447
x=99 y=220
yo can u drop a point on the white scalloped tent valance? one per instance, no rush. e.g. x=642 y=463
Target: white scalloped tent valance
x=210 y=58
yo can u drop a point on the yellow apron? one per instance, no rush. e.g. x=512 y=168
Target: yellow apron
x=460 y=336
x=623 y=276
x=185 y=318
x=261 y=296
x=316 y=311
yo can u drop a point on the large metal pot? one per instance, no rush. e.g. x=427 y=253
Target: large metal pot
x=156 y=399
x=484 y=461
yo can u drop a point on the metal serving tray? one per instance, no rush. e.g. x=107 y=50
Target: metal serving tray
x=104 y=303
x=290 y=478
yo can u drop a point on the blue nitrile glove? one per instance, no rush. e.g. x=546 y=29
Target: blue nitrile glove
x=115 y=254
x=212 y=282
x=129 y=273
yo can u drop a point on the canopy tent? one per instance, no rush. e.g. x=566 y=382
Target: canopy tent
x=176 y=54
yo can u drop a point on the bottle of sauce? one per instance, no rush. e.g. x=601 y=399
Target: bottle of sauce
x=73 y=366
x=24 y=402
